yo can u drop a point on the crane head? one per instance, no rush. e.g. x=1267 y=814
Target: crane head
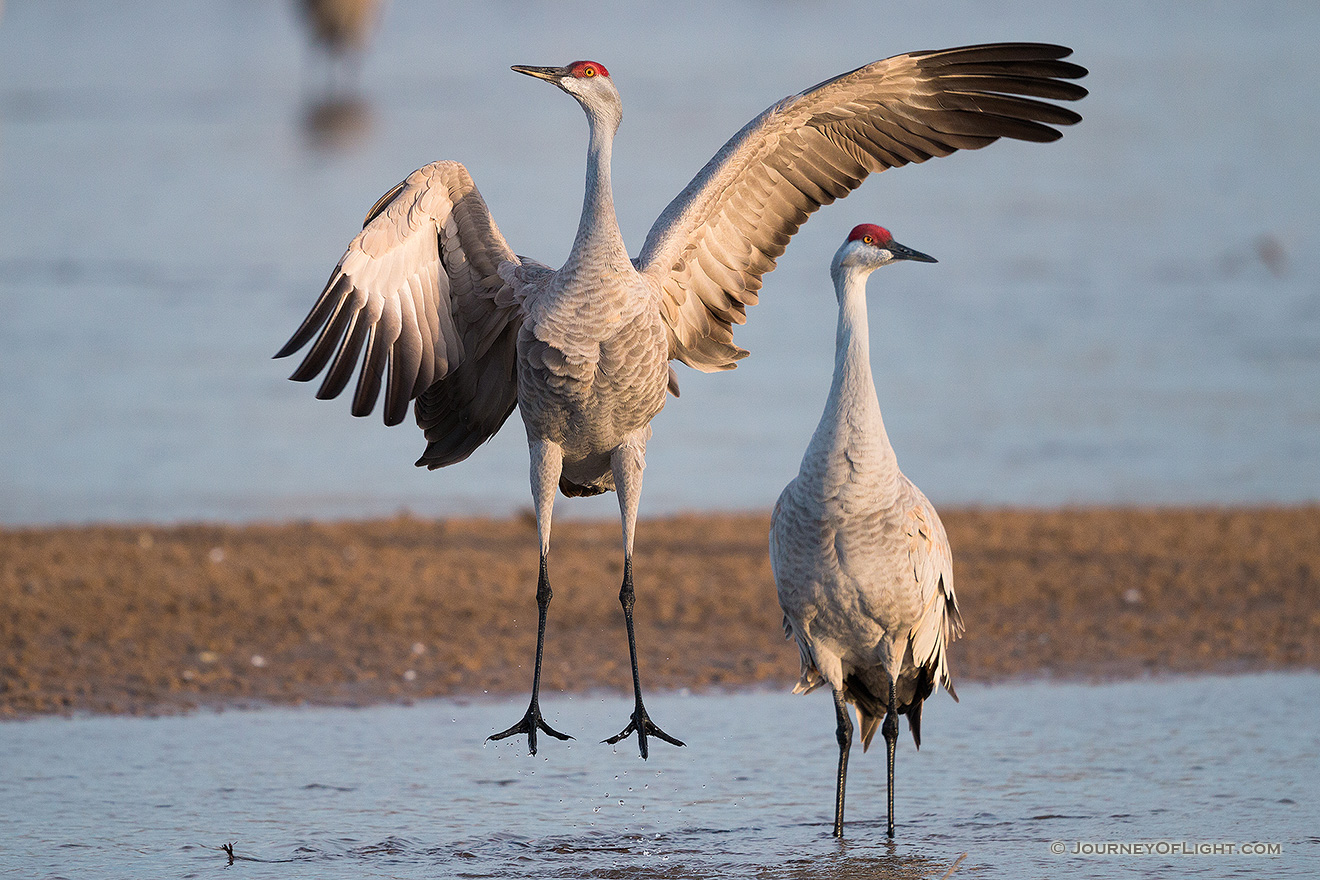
x=588 y=81
x=556 y=75
x=875 y=244
x=869 y=247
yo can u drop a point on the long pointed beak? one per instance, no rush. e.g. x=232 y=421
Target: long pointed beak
x=903 y=252
x=549 y=74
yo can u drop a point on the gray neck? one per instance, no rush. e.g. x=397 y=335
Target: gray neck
x=851 y=432
x=599 y=243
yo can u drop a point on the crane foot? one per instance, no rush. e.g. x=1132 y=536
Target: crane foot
x=644 y=726
x=530 y=724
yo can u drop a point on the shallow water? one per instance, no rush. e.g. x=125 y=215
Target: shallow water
x=404 y=792
x=1130 y=314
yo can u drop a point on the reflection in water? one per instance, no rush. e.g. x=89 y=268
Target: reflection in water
x=337 y=121
x=343 y=28
x=337 y=117
x=842 y=866
x=627 y=856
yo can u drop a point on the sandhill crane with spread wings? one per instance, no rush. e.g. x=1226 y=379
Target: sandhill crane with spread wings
x=437 y=308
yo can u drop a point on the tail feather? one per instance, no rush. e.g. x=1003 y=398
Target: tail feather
x=914 y=722
x=576 y=490
x=871 y=708
x=810 y=678
x=868 y=724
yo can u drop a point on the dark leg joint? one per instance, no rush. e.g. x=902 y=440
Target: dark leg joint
x=843 y=733
x=543 y=592
x=627 y=595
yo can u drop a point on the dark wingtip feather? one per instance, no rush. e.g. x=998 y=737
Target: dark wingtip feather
x=325 y=306
x=914 y=722
x=341 y=369
x=288 y=349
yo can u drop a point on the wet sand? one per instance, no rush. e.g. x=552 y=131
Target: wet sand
x=151 y=619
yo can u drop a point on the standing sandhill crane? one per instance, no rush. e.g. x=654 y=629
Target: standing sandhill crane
x=860 y=558
x=437 y=306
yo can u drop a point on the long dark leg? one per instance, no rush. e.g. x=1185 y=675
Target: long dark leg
x=640 y=722
x=844 y=734
x=890 y=731
x=532 y=721
x=547 y=461
x=627 y=462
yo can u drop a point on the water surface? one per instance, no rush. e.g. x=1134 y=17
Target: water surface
x=404 y=792
x=1130 y=314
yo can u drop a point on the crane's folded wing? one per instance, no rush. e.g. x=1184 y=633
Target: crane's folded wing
x=940 y=621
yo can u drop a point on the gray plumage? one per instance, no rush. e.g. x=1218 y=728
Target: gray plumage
x=860 y=558
x=436 y=307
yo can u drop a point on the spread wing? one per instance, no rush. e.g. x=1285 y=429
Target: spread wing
x=417 y=294
x=713 y=243
x=466 y=407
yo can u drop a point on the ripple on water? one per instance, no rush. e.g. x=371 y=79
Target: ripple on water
x=404 y=792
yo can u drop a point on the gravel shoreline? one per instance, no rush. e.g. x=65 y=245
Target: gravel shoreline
x=159 y=619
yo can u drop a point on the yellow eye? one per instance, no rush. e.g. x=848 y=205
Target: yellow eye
x=866 y=239
x=590 y=71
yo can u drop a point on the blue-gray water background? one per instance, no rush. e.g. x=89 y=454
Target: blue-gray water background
x=1131 y=314
x=411 y=792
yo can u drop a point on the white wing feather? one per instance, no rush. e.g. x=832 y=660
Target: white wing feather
x=416 y=293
